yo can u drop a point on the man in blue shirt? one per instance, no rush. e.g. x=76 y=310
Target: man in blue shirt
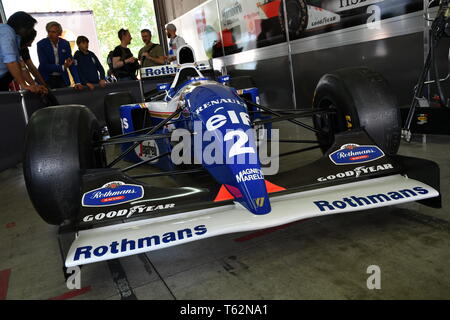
x=19 y=29
x=55 y=58
x=90 y=69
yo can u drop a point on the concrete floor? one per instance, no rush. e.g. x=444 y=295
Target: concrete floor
x=324 y=258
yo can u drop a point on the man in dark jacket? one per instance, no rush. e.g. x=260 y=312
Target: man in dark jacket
x=90 y=69
x=124 y=63
x=55 y=58
x=28 y=68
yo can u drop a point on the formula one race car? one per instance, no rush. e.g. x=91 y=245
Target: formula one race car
x=203 y=130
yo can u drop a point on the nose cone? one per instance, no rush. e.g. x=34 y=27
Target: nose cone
x=227 y=148
x=249 y=189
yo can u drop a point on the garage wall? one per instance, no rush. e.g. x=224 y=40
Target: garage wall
x=176 y=8
x=247 y=37
x=401 y=72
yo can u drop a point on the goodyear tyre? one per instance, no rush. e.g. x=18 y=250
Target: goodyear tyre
x=359 y=98
x=297 y=17
x=60 y=146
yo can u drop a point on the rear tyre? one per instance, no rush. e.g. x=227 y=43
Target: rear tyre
x=113 y=102
x=361 y=99
x=297 y=17
x=59 y=148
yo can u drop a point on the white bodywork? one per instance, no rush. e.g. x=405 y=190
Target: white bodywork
x=107 y=243
x=170 y=70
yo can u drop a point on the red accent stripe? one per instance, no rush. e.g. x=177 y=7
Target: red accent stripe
x=113 y=199
x=236 y=193
x=273 y=188
x=267 y=231
x=225 y=195
x=72 y=294
x=271 y=9
x=359 y=158
x=4 y=283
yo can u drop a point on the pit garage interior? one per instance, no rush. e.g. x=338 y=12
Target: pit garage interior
x=328 y=257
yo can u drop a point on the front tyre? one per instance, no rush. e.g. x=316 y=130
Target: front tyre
x=357 y=98
x=60 y=146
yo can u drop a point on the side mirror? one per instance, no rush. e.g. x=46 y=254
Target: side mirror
x=223 y=79
x=160 y=87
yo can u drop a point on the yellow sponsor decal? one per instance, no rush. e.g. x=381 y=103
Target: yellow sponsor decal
x=422 y=119
x=260 y=202
x=162 y=115
x=349 y=122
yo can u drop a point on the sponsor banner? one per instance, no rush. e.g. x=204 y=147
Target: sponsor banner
x=319 y=17
x=170 y=70
x=127 y=213
x=119 y=247
x=250 y=175
x=371 y=200
x=344 y=5
x=218 y=102
x=354 y=154
x=148 y=150
x=357 y=172
x=112 y=194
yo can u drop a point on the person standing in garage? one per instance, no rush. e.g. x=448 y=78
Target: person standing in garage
x=175 y=42
x=28 y=67
x=90 y=69
x=152 y=54
x=19 y=29
x=124 y=63
x=55 y=59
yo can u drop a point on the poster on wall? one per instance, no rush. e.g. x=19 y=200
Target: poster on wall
x=200 y=28
x=251 y=24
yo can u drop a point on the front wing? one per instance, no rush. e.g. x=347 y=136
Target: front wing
x=117 y=241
